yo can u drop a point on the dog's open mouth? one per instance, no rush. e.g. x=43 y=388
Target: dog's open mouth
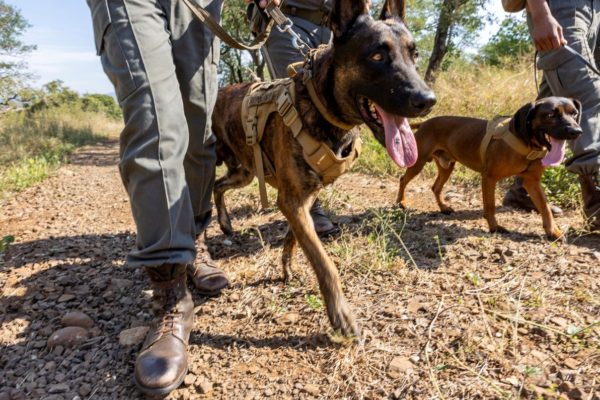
x=556 y=154
x=400 y=141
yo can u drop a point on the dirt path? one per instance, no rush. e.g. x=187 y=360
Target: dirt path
x=448 y=310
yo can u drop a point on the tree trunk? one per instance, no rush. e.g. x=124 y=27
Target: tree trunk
x=440 y=43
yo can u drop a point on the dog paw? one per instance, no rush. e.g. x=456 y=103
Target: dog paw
x=499 y=229
x=447 y=210
x=555 y=235
x=343 y=321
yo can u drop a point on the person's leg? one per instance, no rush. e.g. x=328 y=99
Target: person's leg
x=133 y=42
x=196 y=55
x=568 y=76
x=279 y=53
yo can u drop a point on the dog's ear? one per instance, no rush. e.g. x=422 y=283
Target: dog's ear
x=393 y=8
x=344 y=13
x=520 y=124
x=578 y=107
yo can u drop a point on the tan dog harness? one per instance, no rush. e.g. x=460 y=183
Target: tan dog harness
x=265 y=98
x=499 y=129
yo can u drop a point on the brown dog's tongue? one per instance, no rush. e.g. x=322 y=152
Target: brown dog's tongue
x=556 y=155
x=399 y=139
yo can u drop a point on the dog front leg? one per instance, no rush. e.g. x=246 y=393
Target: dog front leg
x=532 y=183
x=488 y=187
x=296 y=210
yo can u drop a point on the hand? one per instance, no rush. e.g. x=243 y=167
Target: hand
x=547 y=32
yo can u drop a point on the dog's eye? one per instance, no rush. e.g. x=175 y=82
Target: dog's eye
x=376 y=56
x=550 y=115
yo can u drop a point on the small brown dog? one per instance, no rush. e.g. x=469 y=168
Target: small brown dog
x=538 y=128
x=366 y=75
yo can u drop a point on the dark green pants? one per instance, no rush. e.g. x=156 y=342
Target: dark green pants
x=163 y=64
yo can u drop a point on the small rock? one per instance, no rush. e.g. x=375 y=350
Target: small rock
x=85 y=389
x=234 y=297
x=400 y=366
x=204 y=386
x=121 y=283
x=312 y=389
x=58 y=388
x=288 y=319
x=77 y=318
x=414 y=359
x=133 y=336
x=227 y=242
x=189 y=379
x=66 y=297
x=571 y=363
x=67 y=337
x=514 y=381
x=268 y=392
x=560 y=321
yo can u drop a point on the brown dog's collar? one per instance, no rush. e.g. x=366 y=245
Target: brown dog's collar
x=499 y=129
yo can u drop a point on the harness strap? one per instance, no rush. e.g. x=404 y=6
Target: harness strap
x=263 y=99
x=499 y=129
x=205 y=17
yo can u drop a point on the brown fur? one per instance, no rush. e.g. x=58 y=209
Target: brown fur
x=449 y=139
x=341 y=74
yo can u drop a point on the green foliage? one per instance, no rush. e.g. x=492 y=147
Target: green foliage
x=5 y=241
x=512 y=40
x=12 y=27
x=235 y=65
x=55 y=94
x=561 y=187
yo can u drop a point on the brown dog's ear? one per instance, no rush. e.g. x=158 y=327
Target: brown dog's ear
x=344 y=13
x=578 y=107
x=392 y=9
x=520 y=124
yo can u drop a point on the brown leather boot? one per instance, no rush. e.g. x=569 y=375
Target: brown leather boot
x=323 y=225
x=518 y=198
x=205 y=273
x=162 y=364
x=590 y=191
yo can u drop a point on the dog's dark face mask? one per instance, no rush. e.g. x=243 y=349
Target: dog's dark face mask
x=375 y=76
x=549 y=122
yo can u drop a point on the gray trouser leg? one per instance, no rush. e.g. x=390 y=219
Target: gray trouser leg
x=196 y=55
x=137 y=42
x=279 y=51
x=568 y=76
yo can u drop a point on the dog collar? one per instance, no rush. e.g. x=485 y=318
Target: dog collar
x=499 y=129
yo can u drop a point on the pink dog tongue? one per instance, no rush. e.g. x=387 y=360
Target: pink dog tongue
x=556 y=155
x=399 y=139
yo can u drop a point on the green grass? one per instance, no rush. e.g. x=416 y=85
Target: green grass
x=32 y=145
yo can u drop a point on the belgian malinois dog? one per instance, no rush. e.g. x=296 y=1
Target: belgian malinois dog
x=366 y=75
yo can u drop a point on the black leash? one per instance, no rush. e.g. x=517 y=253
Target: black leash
x=570 y=50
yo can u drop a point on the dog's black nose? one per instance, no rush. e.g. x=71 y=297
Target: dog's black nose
x=574 y=132
x=422 y=100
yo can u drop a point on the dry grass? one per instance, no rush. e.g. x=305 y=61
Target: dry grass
x=31 y=145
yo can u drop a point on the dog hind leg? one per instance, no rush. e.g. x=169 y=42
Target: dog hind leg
x=288 y=254
x=444 y=172
x=234 y=178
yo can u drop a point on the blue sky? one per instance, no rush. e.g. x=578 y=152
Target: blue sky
x=62 y=31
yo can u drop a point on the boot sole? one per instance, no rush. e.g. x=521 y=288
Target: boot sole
x=160 y=393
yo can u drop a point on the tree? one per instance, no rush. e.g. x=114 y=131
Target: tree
x=457 y=24
x=12 y=69
x=512 y=40
x=235 y=65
